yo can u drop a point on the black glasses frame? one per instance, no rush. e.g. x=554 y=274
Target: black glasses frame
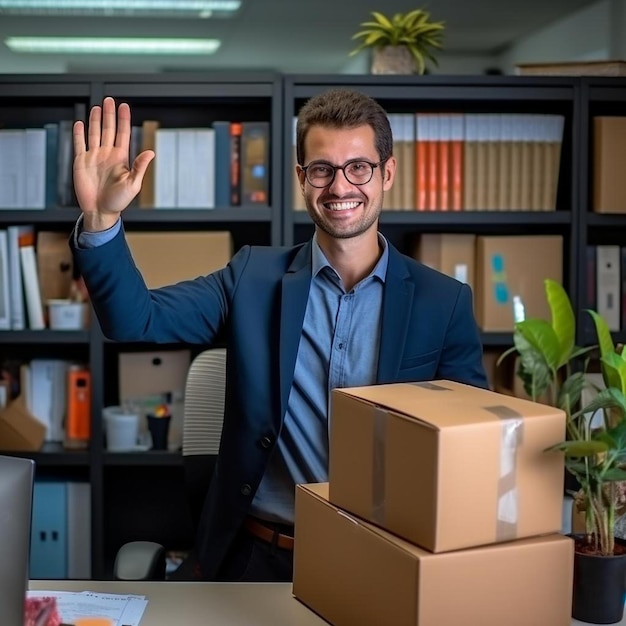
x=342 y=168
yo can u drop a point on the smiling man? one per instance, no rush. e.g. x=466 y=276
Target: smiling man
x=344 y=309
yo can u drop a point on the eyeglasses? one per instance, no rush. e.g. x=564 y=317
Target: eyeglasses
x=357 y=172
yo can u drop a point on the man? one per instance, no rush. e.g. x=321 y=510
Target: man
x=344 y=309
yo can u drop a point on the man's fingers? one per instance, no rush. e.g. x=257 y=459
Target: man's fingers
x=140 y=165
x=93 y=132
x=122 y=138
x=108 y=123
x=79 y=138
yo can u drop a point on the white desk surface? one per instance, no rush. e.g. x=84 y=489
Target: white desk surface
x=227 y=604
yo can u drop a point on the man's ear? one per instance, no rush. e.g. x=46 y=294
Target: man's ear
x=389 y=173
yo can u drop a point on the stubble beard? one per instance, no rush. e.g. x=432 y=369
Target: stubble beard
x=353 y=230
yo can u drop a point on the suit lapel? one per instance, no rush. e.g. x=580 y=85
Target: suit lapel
x=397 y=306
x=295 y=293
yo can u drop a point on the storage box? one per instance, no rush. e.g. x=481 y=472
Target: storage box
x=450 y=253
x=168 y=258
x=609 y=161
x=67 y=315
x=20 y=430
x=510 y=274
x=446 y=465
x=355 y=574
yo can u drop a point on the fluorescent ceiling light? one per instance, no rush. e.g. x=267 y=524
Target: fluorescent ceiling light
x=138 y=8
x=111 y=45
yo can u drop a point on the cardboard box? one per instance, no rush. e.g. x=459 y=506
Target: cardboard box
x=354 y=573
x=452 y=254
x=167 y=258
x=510 y=274
x=609 y=160
x=446 y=465
x=20 y=430
x=142 y=375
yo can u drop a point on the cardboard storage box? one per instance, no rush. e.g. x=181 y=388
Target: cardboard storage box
x=609 y=160
x=446 y=465
x=20 y=430
x=167 y=258
x=354 y=573
x=510 y=274
x=452 y=254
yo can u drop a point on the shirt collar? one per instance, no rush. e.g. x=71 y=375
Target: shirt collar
x=319 y=260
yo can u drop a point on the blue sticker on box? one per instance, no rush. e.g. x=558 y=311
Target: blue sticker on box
x=498 y=278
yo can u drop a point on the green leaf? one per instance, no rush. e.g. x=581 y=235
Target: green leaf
x=606 y=399
x=614 y=474
x=541 y=336
x=581 y=448
x=615 y=368
x=570 y=392
x=563 y=318
x=381 y=19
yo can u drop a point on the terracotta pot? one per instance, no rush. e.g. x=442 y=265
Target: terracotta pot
x=599 y=585
x=393 y=60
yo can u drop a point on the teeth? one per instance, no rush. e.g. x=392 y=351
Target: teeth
x=342 y=206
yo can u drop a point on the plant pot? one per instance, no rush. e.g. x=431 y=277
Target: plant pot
x=393 y=60
x=599 y=585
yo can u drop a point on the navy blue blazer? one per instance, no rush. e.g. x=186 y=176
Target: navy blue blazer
x=256 y=305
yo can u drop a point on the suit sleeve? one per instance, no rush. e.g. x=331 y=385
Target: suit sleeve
x=193 y=311
x=461 y=358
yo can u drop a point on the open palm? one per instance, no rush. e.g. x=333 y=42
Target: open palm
x=103 y=181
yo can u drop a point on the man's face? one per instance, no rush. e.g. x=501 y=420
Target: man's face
x=342 y=209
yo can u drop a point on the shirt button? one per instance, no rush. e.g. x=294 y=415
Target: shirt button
x=266 y=442
x=340 y=346
x=246 y=490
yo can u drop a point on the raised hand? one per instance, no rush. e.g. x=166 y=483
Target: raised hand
x=104 y=183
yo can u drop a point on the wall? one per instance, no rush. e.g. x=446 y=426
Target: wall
x=593 y=33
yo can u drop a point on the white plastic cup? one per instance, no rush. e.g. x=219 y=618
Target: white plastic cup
x=121 y=428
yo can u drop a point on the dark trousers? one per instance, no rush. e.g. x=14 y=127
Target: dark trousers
x=250 y=559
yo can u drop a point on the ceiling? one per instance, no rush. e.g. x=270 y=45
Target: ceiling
x=290 y=36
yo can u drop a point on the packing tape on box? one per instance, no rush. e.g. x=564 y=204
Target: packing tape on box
x=378 y=461
x=508 y=497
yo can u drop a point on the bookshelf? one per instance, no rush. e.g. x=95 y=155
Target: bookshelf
x=124 y=487
x=468 y=95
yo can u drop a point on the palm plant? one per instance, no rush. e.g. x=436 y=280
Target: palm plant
x=594 y=455
x=413 y=30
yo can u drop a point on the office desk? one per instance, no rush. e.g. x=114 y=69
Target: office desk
x=223 y=604
x=189 y=604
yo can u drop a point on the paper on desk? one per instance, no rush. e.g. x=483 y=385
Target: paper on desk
x=121 y=610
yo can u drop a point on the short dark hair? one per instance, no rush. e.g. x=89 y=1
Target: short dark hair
x=344 y=108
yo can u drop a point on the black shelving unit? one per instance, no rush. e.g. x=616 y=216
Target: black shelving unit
x=600 y=96
x=177 y=101
x=130 y=490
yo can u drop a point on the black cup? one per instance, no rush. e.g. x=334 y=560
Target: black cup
x=159 y=428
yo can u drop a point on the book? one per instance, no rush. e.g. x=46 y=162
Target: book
x=32 y=293
x=255 y=157
x=222 y=163
x=16 y=284
x=148 y=141
x=235 y=163
x=5 y=300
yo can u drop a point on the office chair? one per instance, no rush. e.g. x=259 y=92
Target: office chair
x=203 y=415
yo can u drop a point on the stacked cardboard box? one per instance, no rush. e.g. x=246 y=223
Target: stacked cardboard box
x=442 y=508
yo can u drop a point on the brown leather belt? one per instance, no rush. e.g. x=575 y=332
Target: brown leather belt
x=267 y=534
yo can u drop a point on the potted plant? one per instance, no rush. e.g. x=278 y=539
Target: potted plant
x=594 y=450
x=401 y=43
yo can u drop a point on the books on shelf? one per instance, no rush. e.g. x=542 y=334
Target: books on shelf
x=224 y=165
